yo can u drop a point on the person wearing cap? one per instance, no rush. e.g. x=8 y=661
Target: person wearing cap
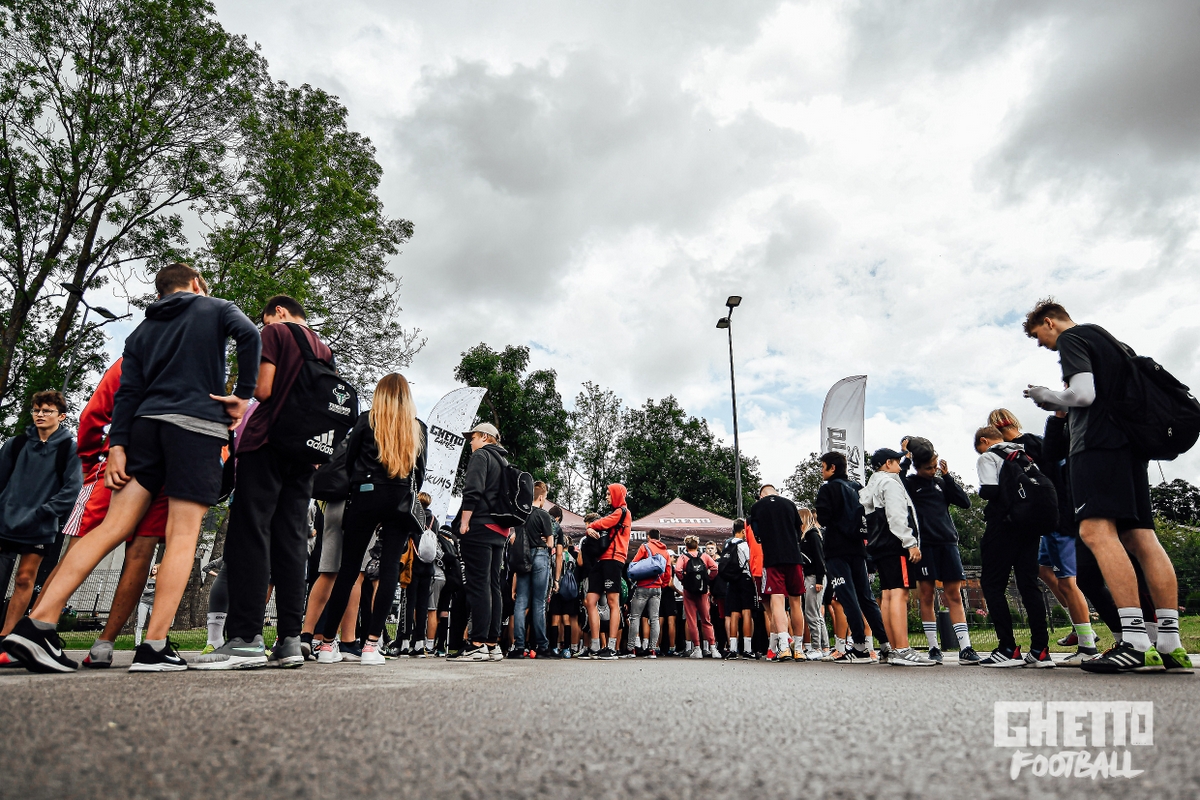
x=482 y=543
x=894 y=545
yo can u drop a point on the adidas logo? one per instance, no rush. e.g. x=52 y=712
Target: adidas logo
x=322 y=443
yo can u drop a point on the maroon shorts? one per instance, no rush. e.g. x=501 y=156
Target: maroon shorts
x=783 y=579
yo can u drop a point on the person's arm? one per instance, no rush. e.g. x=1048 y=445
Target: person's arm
x=128 y=397
x=681 y=562
x=62 y=501
x=895 y=507
x=8 y=462
x=988 y=467
x=818 y=563
x=712 y=566
x=473 y=487
x=96 y=415
x=249 y=350
x=266 y=382
x=955 y=494
x=1080 y=393
x=824 y=506
x=422 y=460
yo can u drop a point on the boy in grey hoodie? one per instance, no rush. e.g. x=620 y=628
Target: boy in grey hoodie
x=893 y=544
x=40 y=476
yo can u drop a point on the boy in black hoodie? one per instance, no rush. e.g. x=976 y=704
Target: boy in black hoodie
x=170 y=421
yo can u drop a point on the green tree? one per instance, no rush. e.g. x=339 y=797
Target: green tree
x=595 y=432
x=969 y=522
x=1177 y=501
x=524 y=405
x=664 y=454
x=805 y=481
x=114 y=114
x=303 y=217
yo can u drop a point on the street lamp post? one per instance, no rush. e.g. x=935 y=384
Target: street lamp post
x=726 y=322
x=101 y=310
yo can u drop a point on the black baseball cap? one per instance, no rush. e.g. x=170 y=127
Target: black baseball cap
x=884 y=455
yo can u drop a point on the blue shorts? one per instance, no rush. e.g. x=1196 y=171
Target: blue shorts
x=940 y=562
x=1058 y=550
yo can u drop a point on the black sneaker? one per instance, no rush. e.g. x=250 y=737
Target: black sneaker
x=935 y=655
x=516 y=653
x=731 y=655
x=38 y=650
x=606 y=654
x=1003 y=658
x=1124 y=657
x=1039 y=659
x=967 y=657
x=856 y=656
x=147 y=659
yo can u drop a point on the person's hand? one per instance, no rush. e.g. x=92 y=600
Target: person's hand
x=115 y=476
x=944 y=467
x=817 y=587
x=1039 y=396
x=235 y=407
x=914 y=554
x=1060 y=414
x=904 y=445
x=592 y=532
x=464 y=527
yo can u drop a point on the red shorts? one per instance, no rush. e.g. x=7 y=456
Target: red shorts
x=92 y=506
x=784 y=579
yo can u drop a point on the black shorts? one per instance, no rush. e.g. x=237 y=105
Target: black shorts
x=11 y=548
x=606 y=577
x=895 y=572
x=940 y=561
x=561 y=607
x=1111 y=484
x=178 y=463
x=740 y=596
x=668 y=605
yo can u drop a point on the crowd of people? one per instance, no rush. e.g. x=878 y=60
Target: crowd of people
x=327 y=514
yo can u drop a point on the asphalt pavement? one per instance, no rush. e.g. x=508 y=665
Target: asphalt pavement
x=669 y=728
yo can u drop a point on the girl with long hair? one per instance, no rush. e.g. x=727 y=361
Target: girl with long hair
x=385 y=458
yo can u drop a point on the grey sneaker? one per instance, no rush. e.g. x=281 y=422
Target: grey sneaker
x=496 y=653
x=287 y=653
x=235 y=654
x=909 y=658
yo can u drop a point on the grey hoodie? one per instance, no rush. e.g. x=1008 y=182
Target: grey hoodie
x=33 y=502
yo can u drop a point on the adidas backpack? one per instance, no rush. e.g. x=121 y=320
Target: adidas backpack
x=319 y=410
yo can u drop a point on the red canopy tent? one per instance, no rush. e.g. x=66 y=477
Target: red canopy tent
x=678 y=519
x=572 y=523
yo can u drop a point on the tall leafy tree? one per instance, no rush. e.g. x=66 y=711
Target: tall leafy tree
x=114 y=114
x=303 y=217
x=1177 y=501
x=664 y=454
x=524 y=405
x=805 y=481
x=595 y=432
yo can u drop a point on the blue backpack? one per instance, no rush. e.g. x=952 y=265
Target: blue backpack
x=648 y=568
x=568 y=586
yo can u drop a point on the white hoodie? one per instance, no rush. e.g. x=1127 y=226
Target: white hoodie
x=885 y=490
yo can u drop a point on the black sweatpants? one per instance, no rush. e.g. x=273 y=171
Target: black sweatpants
x=416 y=610
x=383 y=508
x=483 y=562
x=848 y=578
x=1003 y=552
x=267 y=542
x=456 y=623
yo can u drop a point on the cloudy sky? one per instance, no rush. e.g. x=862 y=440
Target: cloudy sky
x=890 y=186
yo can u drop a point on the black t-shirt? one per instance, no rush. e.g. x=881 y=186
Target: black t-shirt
x=776 y=524
x=1086 y=348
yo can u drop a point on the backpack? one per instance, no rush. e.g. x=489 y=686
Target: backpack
x=729 y=565
x=1029 y=497
x=1157 y=413
x=520 y=553
x=331 y=482
x=516 y=496
x=319 y=410
x=451 y=563
x=62 y=455
x=592 y=549
x=568 y=585
x=695 y=575
x=649 y=568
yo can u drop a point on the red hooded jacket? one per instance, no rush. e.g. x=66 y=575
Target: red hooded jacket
x=654 y=546
x=92 y=445
x=618 y=549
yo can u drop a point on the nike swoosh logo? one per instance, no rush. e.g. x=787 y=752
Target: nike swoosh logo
x=1080 y=508
x=53 y=650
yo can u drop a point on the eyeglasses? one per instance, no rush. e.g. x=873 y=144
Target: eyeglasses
x=49 y=412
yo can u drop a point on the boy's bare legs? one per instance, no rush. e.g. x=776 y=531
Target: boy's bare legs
x=183 y=528
x=22 y=590
x=139 y=556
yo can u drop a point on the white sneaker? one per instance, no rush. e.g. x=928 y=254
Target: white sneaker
x=813 y=655
x=909 y=658
x=496 y=653
x=371 y=655
x=696 y=653
x=328 y=653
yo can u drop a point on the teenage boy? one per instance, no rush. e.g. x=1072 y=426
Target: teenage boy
x=647 y=596
x=171 y=420
x=482 y=543
x=533 y=586
x=41 y=477
x=605 y=578
x=841 y=515
x=267 y=542
x=895 y=547
x=776 y=523
x=1110 y=488
x=740 y=595
x=933 y=490
x=1003 y=551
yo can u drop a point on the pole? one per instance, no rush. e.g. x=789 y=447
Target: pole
x=75 y=348
x=737 y=457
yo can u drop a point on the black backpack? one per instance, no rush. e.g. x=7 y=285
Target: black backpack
x=729 y=565
x=62 y=455
x=592 y=549
x=695 y=575
x=1157 y=413
x=1028 y=495
x=319 y=410
x=520 y=552
x=332 y=480
x=516 y=496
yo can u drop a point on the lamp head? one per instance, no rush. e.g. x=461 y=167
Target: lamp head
x=72 y=288
x=104 y=312
x=723 y=323
x=734 y=301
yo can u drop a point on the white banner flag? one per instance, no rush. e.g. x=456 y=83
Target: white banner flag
x=452 y=415
x=843 y=419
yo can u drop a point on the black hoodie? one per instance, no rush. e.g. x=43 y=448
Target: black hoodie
x=840 y=513
x=932 y=497
x=481 y=489
x=176 y=358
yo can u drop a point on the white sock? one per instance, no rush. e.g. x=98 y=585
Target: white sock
x=1152 y=632
x=964 y=638
x=840 y=644
x=156 y=644
x=705 y=647
x=870 y=645
x=216 y=628
x=101 y=646
x=1133 y=628
x=930 y=633
x=1168 y=630
x=746 y=644
x=733 y=644
x=773 y=643
x=596 y=643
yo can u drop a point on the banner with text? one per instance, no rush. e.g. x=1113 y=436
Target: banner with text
x=842 y=423
x=452 y=415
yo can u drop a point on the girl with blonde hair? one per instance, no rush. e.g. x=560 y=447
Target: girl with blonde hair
x=385 y=458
